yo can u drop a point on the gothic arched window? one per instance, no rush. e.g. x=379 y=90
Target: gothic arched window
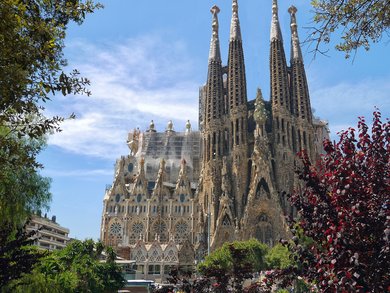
x=262 y=189
x=226 y=221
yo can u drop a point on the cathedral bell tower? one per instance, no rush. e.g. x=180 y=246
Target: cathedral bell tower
x=212 y=129
x=300 y=92
x=283 y=137
x=237 y=99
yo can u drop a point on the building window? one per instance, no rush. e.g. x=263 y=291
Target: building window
x=154 y=269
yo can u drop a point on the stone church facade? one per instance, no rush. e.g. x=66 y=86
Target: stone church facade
x=179 y=194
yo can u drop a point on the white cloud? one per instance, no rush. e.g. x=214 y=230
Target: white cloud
x=133 y=82
x=341 y=104
x=150 y=78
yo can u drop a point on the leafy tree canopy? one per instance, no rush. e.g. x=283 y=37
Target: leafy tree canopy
x=360 y=22
x=230 y=265
x=253 y=250
x=31 y=72
x=226 y=269
x=278 y=257
x=32 y=34
x=17 y=256
x=76 y=268
x=32 y=69
x=22 y=189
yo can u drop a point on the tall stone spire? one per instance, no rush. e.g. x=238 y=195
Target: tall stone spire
x=299 y=86
x=140 y=182
x=236 y=65
x=214 y=101
x=282 y=120
x=183 y=185
x=212 y=127
x=161 y=178
x=275 y=26
x=215 y=51
x=278 y=66
x=235 y=30
x=296 y=53
x=237 y=100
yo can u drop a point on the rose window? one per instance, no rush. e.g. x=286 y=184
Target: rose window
x=115 y=229
x=181 y=228
x=137 y=228
x=159 y=227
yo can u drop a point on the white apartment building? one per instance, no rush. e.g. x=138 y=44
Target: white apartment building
x=50 y=234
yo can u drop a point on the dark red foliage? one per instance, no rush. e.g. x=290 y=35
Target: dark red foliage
x=344 y=208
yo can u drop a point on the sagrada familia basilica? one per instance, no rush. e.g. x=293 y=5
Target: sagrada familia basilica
x=178 y=195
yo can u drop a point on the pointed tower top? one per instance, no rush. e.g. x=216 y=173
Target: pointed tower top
x=215 y=54
x=215 y=10
x=275 y=8
x=140 y=180
x=275 y=27
x=151 y=126
x=293 y=10
x=183 y=167
x=235 y=31
x=296 y=53
x=182 y=180
x=188 y=126
x=162 y=163
x=260 y=113
x=169 y=126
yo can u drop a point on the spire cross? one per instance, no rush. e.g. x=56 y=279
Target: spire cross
x=215 y=10
x=235 y=6
x=275 y=28
x=293 y=10
x=275 y=8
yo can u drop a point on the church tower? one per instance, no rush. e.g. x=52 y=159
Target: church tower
x=300 y=92
x=282 y=119
x=278 y=68
x=237 y=99
x=212 y=129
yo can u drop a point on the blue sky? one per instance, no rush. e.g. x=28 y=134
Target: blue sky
x=146 y=60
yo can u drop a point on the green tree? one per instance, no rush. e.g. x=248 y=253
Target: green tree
x=255 y=253
x=22 y=189
x=32 y=66
x=32 y=71
x=229 y=265
x=278 y=257
x=17 y=256
x=359 y=22
x=76 y=268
